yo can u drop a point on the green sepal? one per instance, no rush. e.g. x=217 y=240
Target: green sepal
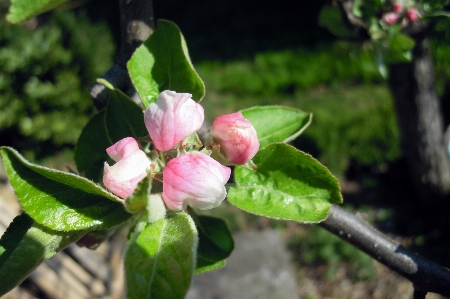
x=288 y=184
x=137 y=202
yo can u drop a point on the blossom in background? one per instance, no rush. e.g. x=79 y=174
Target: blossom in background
x=411 y=14
x=236 y=136
x=131 y=167
x=397 y=7
x=390 y=18
x=194 y=179
x=172 y=118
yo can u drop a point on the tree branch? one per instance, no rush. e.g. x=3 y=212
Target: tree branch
x=425 y=275
x=137 y=24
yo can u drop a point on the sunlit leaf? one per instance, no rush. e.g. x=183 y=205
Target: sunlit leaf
x=288 y=184
x=21 y=10
x=163 y=63
x=160 y=258
x=277 y=123
x=60 y=200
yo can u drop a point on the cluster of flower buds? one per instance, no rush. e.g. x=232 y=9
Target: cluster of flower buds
x=398 y=11
x=192 y=178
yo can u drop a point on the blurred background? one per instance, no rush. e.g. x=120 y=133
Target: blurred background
x=248 y=53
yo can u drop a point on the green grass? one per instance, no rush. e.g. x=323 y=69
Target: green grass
x=288 y=71
x=313 y=246
x=354 y=119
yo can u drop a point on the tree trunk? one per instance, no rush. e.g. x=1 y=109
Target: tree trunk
x=137 y=23
x=421 y=124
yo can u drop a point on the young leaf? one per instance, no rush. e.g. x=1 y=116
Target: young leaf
x=21 y=10
x=163 y=63
x=121 y=118
x=90 y=151
x=277 y=123
x=160 y=258
x=288 y=184
x=399 y=48
x=59 y=200
x=356 y=10
x=215 y=243
x=331 y=18
x=25 y=245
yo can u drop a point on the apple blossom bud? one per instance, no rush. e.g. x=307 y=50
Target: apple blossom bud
x=132 y=164
x=173 y=117
x=236 y=136
x=411 y=14
x=397 y=7
x=194 y=179
x=390 y=18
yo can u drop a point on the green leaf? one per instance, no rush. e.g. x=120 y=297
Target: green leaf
x=397 y=48
x=356 y=10
x=437 y=14
x=400 y=46
x=288 y=184
x=331 y=18
x=121 y=118
x=163 y=63
x=124 y=118
x=59 y=200
x=13 y=235
x=90 y=151
x=21 y=10
x=215 y=243
x=277 y=123
x=160 y=258
x=433 y=5
x=25 y=245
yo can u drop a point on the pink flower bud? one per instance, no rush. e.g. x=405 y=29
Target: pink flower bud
x=397 y=7
x=390 y=18
x=194 y=179
x=173 y=117
x=236 y=136
x=411 y=14
x=132 y=164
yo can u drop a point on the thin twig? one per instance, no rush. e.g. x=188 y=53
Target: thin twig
x=425 y=275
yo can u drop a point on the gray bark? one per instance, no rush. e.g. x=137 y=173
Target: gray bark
x=421 y=124
x=136 y=24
